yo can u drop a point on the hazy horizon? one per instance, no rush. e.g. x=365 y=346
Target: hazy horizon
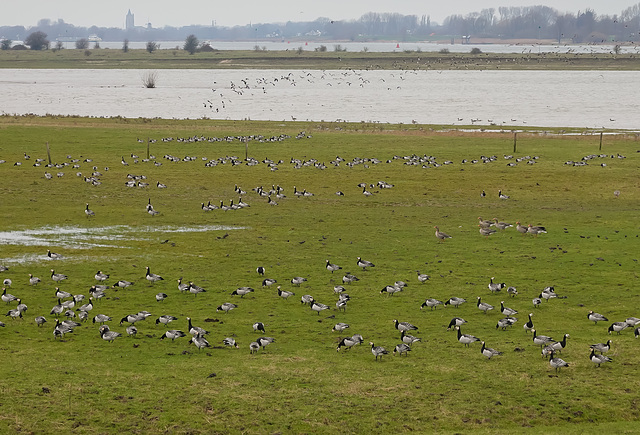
x=204 y=12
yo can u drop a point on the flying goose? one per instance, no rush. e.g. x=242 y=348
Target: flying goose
x=404 y=326
x=598 y=359
x=529 y=325
x=431 y=303
x=541 y=340
x=402 y=348
x=617 y=327
x=317 y=306
x=332 y=267
x=596 y=317
x=466 y=339
x=107 y=334
x=455 y=301
x=57 y=276
x=364 y=263
x=440 y=235
x=226 y=307
x=456 y=321
x=556 y=363
x=488 y=352
x=378 y=351
x=506 y=310
x=483 y=306
x=231 y=342
x=172 y=334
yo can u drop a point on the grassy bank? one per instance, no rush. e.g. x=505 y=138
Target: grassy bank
x=299 y=383
x=301 y=59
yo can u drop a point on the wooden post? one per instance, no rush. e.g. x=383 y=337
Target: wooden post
x=515 y=140
x=48 y=153
x=148 y=142
x=246 y=148
x=600 y=148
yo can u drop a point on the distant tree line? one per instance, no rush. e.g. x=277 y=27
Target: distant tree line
x=530 y=22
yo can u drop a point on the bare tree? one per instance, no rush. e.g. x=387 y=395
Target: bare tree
x=82 y=44
x=152 y=46
x=149 y=79
x=125 y=46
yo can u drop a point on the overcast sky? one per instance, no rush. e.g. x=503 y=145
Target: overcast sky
x=229 y=13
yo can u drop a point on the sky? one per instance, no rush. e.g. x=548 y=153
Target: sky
x=162 y=13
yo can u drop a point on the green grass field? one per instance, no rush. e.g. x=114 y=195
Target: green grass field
x=300 y=384
x=299 y=58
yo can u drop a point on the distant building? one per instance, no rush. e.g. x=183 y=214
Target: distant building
x=129 y=25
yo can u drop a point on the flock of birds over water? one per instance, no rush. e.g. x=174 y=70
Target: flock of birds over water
x=71 y=310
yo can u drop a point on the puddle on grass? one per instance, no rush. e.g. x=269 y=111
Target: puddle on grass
x=71 y=237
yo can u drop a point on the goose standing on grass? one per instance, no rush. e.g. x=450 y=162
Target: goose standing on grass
x=408 y=339
x=455 y=301
x=502 y=195
x=501 y=225
x=332 y=267
x=602 y=347
x=258 y=326
x=506 y=322
x=617 y=327
x=241 y=291
x=512 y=291
x=101 y=318
x=200 y=342
x=489 y=352
x=14 y=314
x=404 y=326
x=521 y=228
x=7 y=297
x=348 y=278
x=165 y=319
x=161 y=297
x=88 y=212
x=172 y=334
x=317 y=306
x=340 y=327
x=422 y=277
x=59 y=330
x=265 y=341
x=596 y=317
x=529 y=325
x=509 y=312
x=195 y=330
x=284 y=294
x=483 y=223
x=195 y=289
x=57 y=309
x=7 y=282
x=122 y=284
x=598 y=359
x=261 y=270
x=456 y=321
x=107 y=334
x=495 y=286
x=40 y=320
x=347 y=343
x=268 y=281
x=33 y=280
x=557 y=363
x=632 y=321
x=536 y=302
x=298 y=280
x=557 y=346
x=541 y=340
x=466 y=339
x=58 y=276
x=131 y=330
x=152 y=277
x=440 y=235
x=254 y=347
x=378 y=351
x=364 y=263
x=99 y=276
x=535 y=230
x=431 y=303
x=402 y=348
x=483 y=306
x=61 y=294
x=306 y=299
x=226 y=307
x=231 y=342
x=486 y=231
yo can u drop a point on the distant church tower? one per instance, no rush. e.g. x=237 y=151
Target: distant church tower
x=129 y=21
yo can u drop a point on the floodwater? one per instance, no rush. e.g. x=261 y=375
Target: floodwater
x=72 y=237
x=580 y=99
